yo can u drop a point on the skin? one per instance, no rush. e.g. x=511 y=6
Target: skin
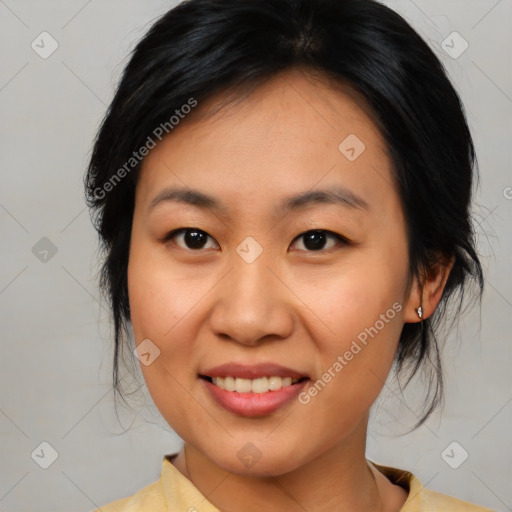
x=293 y=306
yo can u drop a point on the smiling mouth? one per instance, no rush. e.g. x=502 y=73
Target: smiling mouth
x=259 y=385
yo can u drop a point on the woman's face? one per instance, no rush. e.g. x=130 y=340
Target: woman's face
x=258 y=289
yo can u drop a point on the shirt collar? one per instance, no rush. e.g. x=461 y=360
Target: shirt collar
x=181 y=495
x=406 y=480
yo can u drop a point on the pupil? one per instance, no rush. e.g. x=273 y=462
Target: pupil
x=195 y=239
x=314 y=240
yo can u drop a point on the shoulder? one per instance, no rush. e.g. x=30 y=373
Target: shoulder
x=432 y=501
x=147 y=498
x=421 y=499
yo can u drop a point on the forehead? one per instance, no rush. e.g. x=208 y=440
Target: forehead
x=289 y=134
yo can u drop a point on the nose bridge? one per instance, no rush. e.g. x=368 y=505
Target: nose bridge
x=253 y=284
x=251 y=274
x=251 y=302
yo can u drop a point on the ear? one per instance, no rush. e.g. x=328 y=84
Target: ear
x=428 y=290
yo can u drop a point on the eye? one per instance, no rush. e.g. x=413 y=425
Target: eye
x=193 y=238
x=315 y=240
x=196 y=239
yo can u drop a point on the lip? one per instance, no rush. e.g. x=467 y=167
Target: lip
x=253 y=404
x=254 y=371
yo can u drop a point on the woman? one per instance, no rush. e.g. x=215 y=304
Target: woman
x=282 y=189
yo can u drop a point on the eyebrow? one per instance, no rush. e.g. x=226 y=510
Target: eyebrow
x=336 y=195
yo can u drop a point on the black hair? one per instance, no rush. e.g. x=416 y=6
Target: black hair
x=204 y=47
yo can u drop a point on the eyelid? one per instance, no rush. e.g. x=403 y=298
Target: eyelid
x=342 y=240
x=174 y=232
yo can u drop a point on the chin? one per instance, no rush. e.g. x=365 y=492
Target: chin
x=257 y=460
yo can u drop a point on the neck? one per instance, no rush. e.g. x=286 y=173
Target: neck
x=339 y=479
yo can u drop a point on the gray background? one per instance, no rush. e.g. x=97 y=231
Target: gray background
x=55 y=369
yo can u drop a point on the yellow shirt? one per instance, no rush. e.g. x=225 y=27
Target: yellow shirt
x=173 y=492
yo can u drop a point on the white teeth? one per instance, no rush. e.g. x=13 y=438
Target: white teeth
x=229 y=384
x=260 y=385
x=218 y=381
x=243 y=385
x=275 y=383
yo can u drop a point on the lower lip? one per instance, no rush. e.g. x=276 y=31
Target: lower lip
x=254 y=404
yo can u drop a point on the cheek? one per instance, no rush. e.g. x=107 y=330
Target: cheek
x=160 y=308
x=352 y=297
x=157 y=311
x=362 y=305
x=160 y=294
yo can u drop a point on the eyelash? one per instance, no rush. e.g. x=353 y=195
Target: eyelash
x=343 y=241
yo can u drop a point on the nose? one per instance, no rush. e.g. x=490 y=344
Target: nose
x=252 y=303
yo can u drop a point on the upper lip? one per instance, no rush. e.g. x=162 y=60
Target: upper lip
x=253 y=371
